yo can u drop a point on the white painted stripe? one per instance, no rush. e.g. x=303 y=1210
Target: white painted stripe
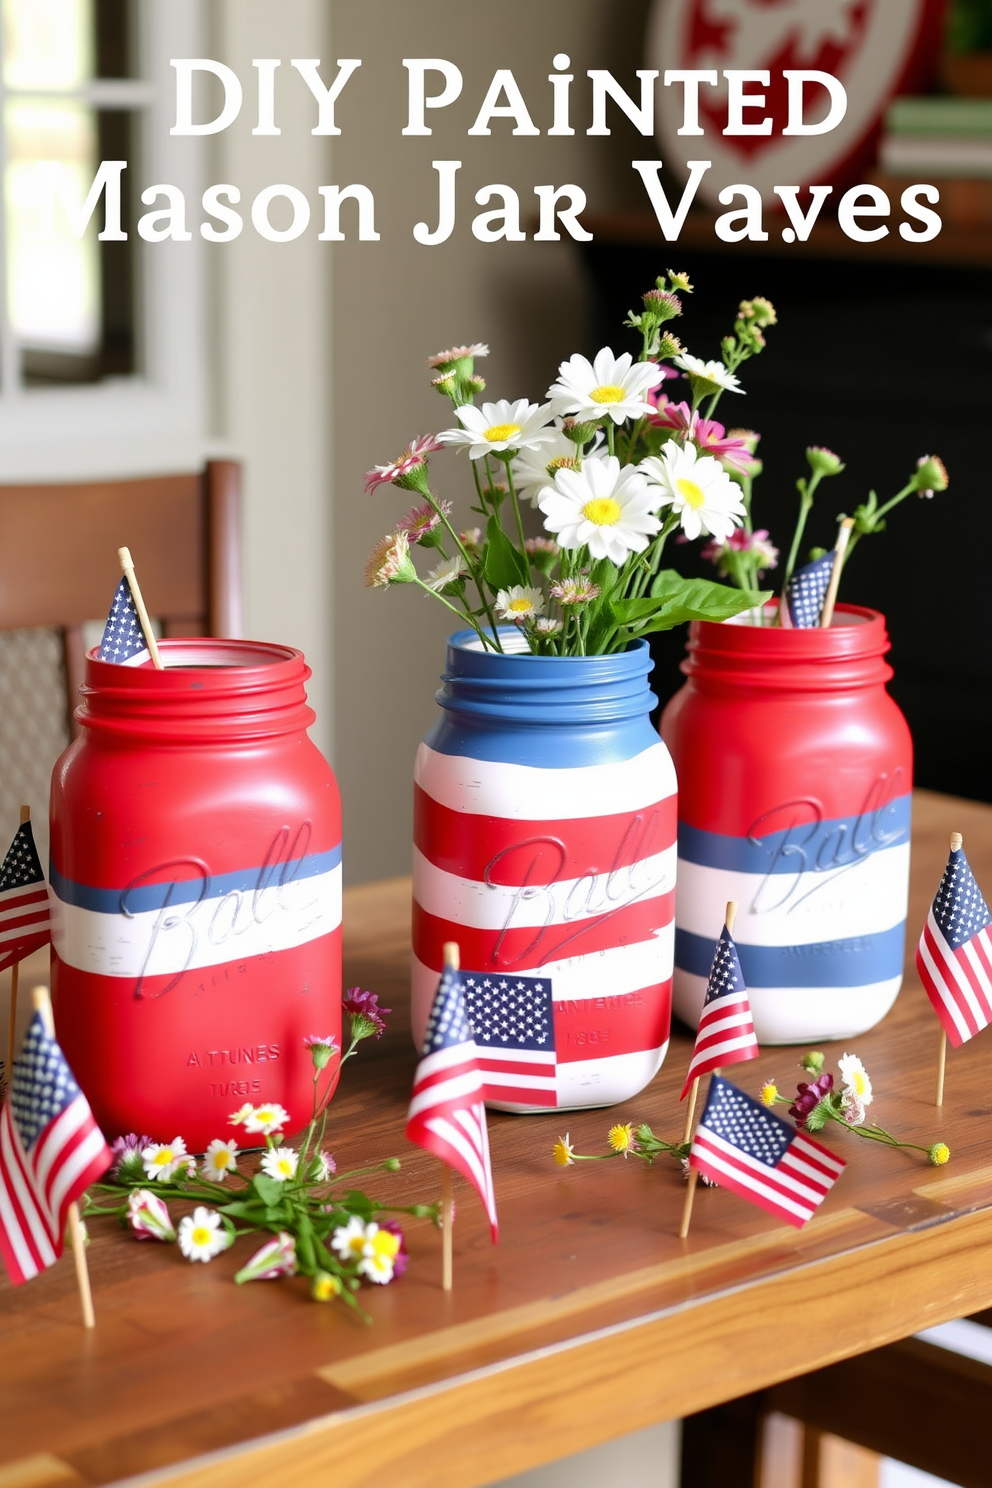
x=725 y=1046
x=721 y=1025
x=71 y=1170
x=524 y=792
x=619 y=972
x=783 y=909
x=507 y=906
x=797 y=1015
x=604 y=1082
x=446 y=1129
x=236 y=926
x=522 y=1081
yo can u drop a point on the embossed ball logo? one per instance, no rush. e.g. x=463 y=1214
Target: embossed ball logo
x=874 y=48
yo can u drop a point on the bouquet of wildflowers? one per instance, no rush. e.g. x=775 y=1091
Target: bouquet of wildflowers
x=612 y=486
x=320 y=1226
x=616 y=468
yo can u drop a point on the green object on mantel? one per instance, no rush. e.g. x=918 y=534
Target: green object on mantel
x=969 y=26
x=934 y=115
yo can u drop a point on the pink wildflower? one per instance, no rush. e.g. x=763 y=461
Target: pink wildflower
x=412 y=458
x=420 y=521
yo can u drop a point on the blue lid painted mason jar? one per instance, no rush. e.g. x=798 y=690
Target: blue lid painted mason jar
x=544 y=845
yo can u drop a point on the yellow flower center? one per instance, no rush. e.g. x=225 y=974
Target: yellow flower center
x=263 y=1114
x=520 y=605
x=221 y=1161
x=356 y=1244
x=163 y=1158
x=498 y=432
x=859 y=1083
x=602 y=510
x=285 y=1167
x=385 y=1244
x=769 y=1094
x=609 y=393
x=325 y=1287
x=562 y=462
x=201 y=1235
x=690 y=492
x=562 y=1153
x=620 y=1138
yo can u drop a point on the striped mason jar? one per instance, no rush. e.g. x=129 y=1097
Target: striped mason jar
x=544 y=844
x=795 y=772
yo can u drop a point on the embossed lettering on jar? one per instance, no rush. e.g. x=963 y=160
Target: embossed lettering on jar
x=196 y=878
x=544 y=844
x=795 y=773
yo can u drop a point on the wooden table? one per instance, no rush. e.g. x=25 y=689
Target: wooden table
x=590 y=1320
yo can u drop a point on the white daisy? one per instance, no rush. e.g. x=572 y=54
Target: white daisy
x=698 y=489
x=443 y=574
x=496 y=427
x=711 y=372
x=521 y=602
x=280 y=1163
x=202 y=1235
x=608 y=385
x=349 y=1240
x=379 y=1257
x=220 y=1159
x=162 y=1159
x=530 y=469
x=606 y=507
x=241 y=1114
x=266 y=1119
x=856 y=1078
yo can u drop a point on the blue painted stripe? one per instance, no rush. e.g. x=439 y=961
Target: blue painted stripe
x=563 y=747
x=142 y=897
x=856 y=961
x=802 y=847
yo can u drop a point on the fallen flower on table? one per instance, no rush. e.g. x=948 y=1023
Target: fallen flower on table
x=324 y=1228
x=818 y=1101
x=624 y=1140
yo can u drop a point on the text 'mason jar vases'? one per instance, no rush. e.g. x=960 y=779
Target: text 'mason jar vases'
x=795 y=771
x=196 y=879
x=544 y=844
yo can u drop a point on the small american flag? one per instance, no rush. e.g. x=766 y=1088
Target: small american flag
x=123 y=640
x=743 y=1146
x=25 y=923
x=447 y=1114
x=726 y=1033
x=51 y=1150
x=807 y=590
x=954 y=956
x=513 y=1022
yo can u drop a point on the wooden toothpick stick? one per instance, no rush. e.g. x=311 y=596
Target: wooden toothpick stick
x=452 y=961
x=14 y=975
x=956 y=842
x=830 y=599
x=43 y=1005
x=690 y=1192
x=127 y=565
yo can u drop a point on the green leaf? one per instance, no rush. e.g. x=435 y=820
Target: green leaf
x=244 y=1209
x=269 y=1190
x=674 y=600
x=505 y=564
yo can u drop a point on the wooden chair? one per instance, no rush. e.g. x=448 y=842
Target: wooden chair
x=58 y=555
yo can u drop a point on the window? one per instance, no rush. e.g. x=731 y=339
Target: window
x=102 y=361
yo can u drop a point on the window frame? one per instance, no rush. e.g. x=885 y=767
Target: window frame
x=157 y=417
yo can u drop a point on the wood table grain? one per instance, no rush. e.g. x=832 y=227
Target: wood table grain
x=590 y=1320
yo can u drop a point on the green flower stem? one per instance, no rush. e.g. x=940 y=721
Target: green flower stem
x=465 y=614
x=611 y=436
x=516 y=506
x=856 y=536
x=876 y=1134
x=474 y=567
x=807 y=490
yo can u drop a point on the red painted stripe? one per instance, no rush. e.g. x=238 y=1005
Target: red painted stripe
x=767 y=1176
x=15 y=929
x=24 y=1218
x=744 y=1190
x=532 y=946
x=818 y=1157
x=497 y=1064
x=520 y=1096
x=501 y=850
x=976 y=982
x=25 y=894
x=222 y=1035
x=629 y=1027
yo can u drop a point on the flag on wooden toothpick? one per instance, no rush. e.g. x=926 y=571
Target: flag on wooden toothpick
x=726 y=1033
x=954 y=956
x=744 y=1146
x=807 y=590
x=51 y=1150
x=123 y=640
x=25 y=920
x=447 y=1114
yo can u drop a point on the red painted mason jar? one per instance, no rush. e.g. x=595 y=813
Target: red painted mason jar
x=196 y=881
x=795 y=771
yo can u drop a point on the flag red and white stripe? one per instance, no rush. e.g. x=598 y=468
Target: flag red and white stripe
x=51 y=1150
x=726 y=1032
x=447 y=1114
